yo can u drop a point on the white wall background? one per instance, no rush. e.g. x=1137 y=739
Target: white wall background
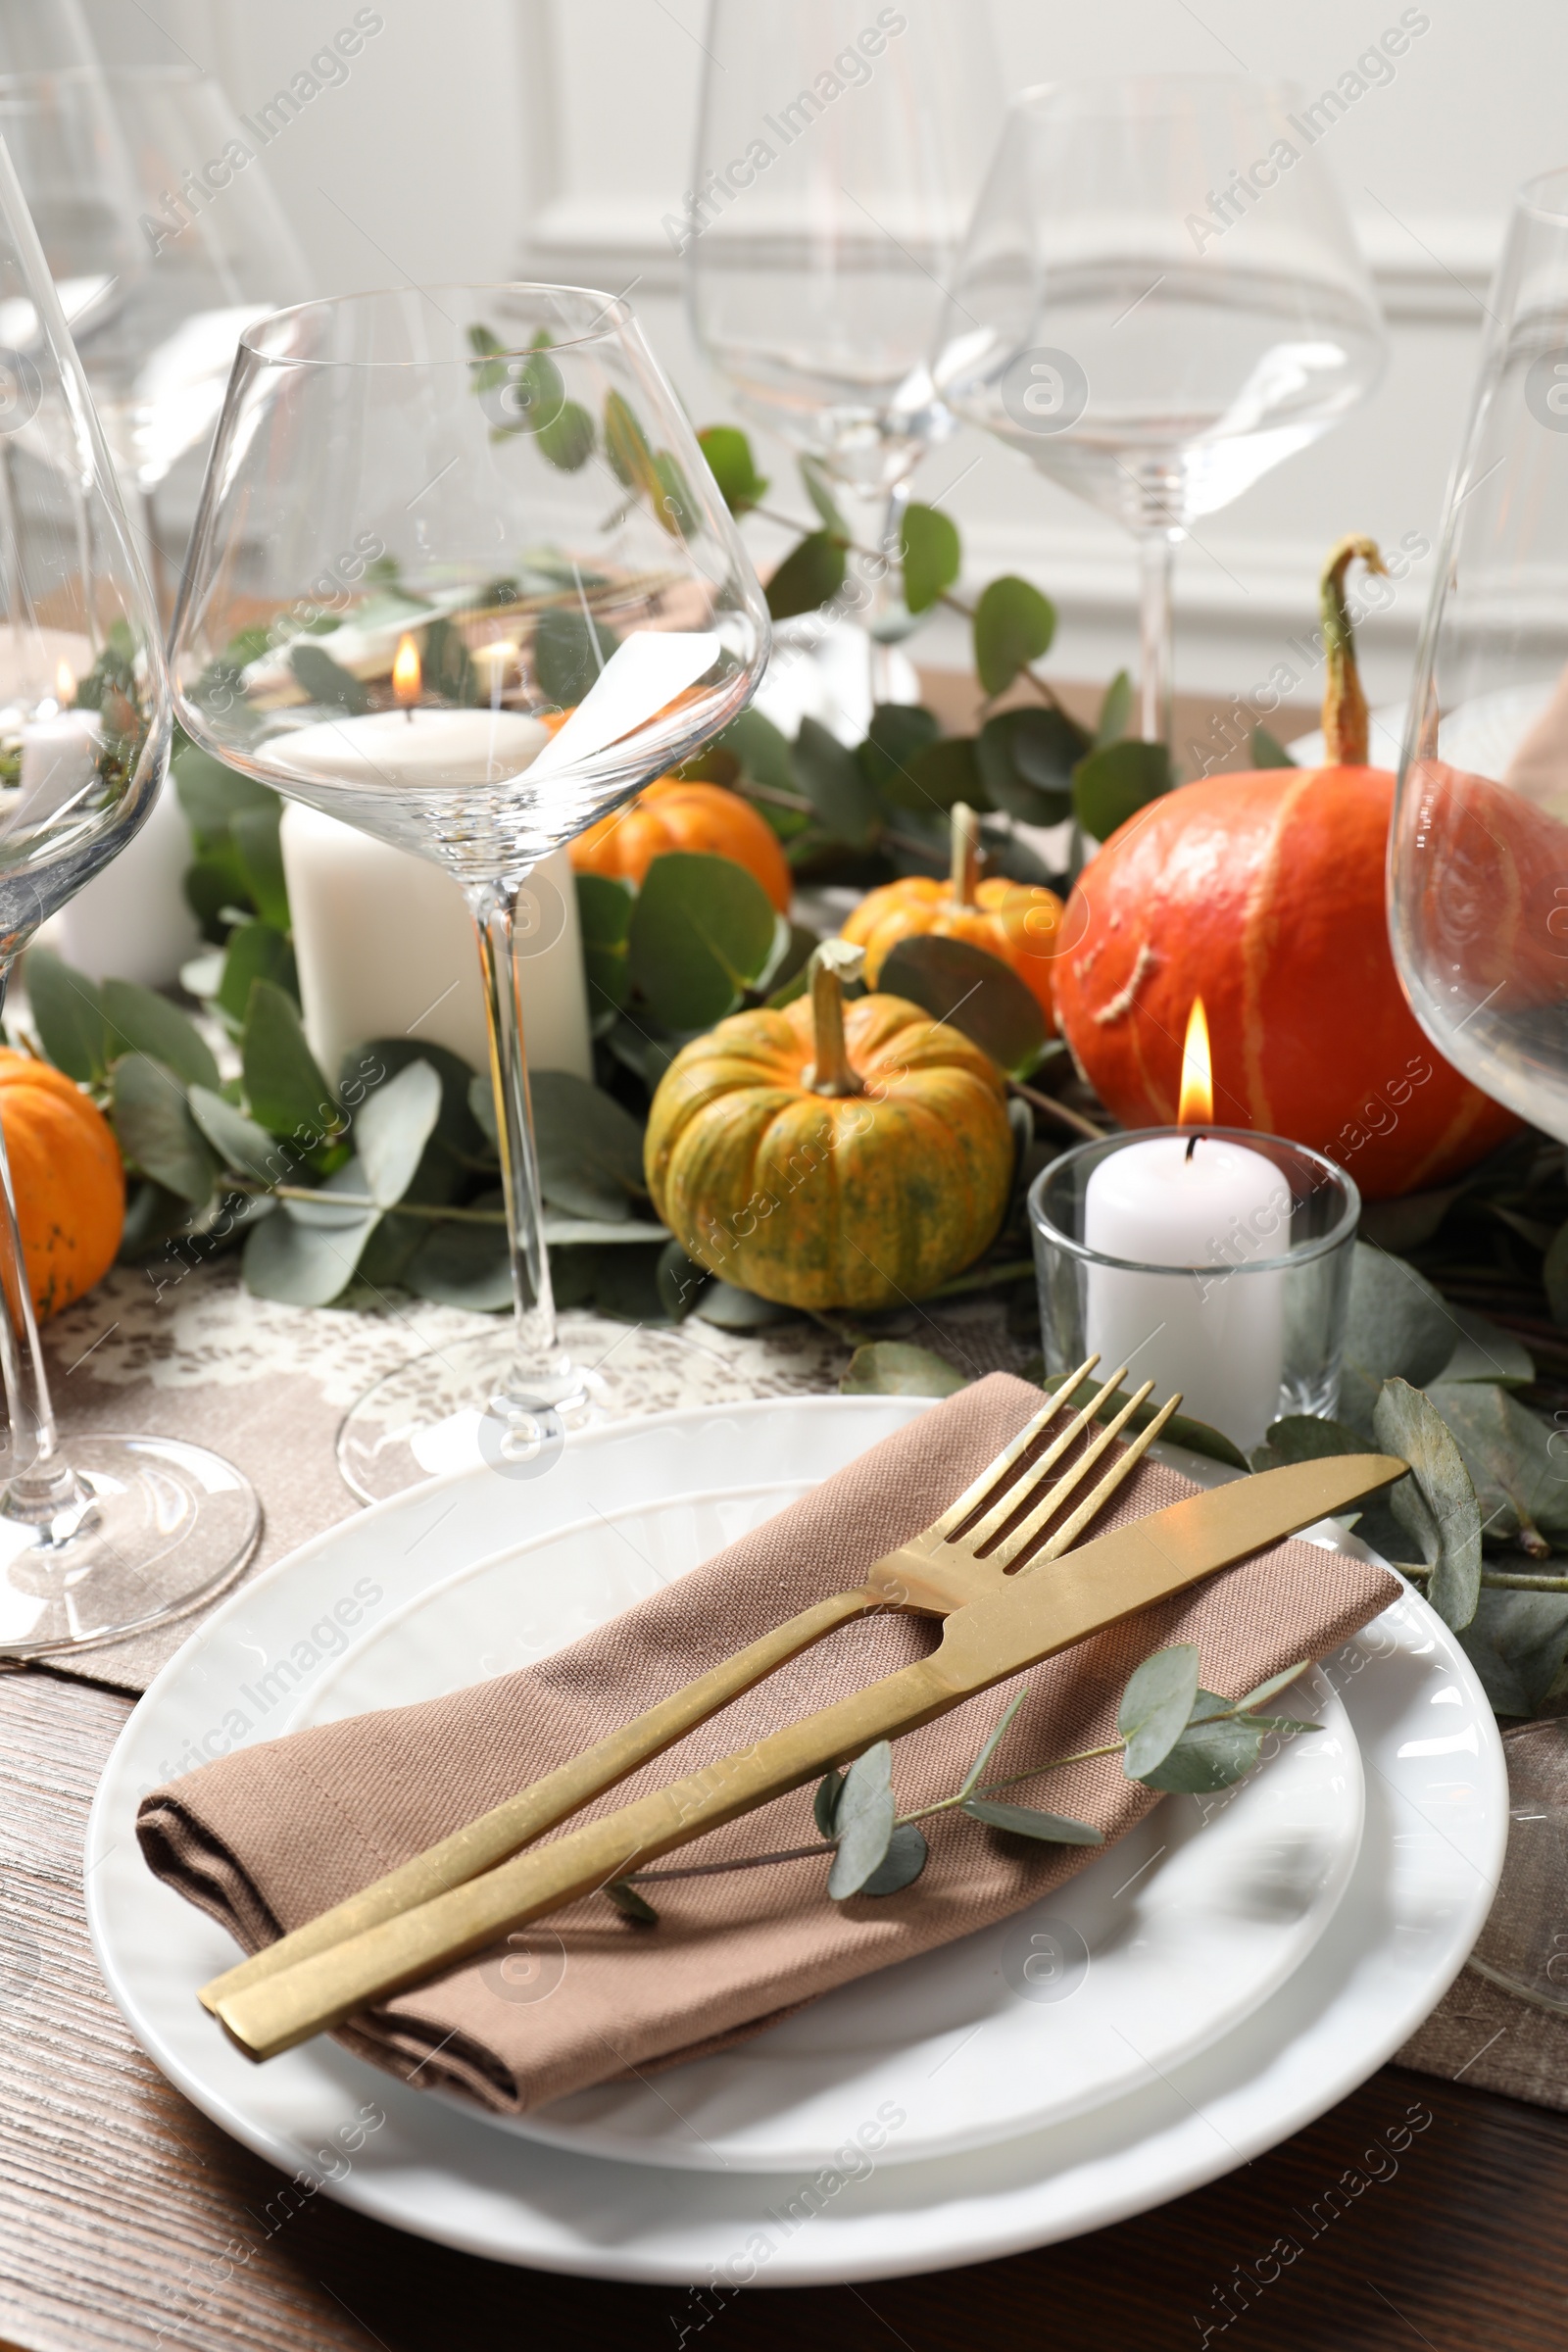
x=475 y=138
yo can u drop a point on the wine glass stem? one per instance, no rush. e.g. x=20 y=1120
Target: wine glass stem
x=1156 y=556
x=492 y=906
x=39 y=1485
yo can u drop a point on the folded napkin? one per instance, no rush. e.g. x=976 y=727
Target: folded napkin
x=268 y=1837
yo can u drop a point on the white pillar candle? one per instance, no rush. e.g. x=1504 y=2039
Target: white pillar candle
x=386 y=948
x=59 y=760
x=1218 y=1333
x=395 y=749
x=133 y=921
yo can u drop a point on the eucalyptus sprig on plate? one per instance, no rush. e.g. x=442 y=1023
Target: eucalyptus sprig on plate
x=1172 y=1736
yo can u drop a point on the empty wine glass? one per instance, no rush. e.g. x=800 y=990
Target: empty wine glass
x=540 y=602
x=1159 y=299
x=108 y=1535
x=838 y=155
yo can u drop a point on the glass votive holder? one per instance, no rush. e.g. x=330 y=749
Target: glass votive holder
x=1209 y=1260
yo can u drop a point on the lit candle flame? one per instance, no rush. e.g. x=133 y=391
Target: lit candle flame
x=406 y=673
x=64 y=685
x=1196 y=1105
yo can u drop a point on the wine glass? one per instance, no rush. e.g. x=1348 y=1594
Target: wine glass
x=109 y=1534
x=838 y=155
x=541 y=602
x=1160 y=298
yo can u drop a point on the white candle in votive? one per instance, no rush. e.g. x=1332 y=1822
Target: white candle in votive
x=1218 y=1335
x=386 y=948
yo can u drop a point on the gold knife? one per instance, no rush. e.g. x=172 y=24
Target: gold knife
x=1030 y=1620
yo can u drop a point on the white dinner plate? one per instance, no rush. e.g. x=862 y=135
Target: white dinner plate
x=1185 y=1933
x=1435 y=1827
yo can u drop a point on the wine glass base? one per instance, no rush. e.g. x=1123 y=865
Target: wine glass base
x=159 y=1529
x=458 y=1407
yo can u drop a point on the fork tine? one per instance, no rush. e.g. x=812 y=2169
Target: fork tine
x=1025 y=1533
x=1126 y=1463
x=984 y=1529
x=973 y=1495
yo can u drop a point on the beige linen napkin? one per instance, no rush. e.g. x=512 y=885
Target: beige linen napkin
x=265 y=1838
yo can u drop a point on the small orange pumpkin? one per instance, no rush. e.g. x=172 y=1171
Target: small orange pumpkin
x=67 y=1177
x=1017 y=923
x=673 y=816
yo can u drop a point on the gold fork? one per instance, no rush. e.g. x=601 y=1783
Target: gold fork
x=1018 y=1623
x=944 y=1568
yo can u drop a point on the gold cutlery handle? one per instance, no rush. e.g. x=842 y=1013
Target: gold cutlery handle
x=274 y=2012
x=499 y=1834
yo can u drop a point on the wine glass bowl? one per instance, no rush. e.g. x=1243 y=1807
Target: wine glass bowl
x=1479 y=846
x=1159 y=299
x=461 y=576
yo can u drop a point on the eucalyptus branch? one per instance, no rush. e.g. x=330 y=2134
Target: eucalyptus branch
x=362 y=1202
x=772 y=797
x=1071 y=1119
x=1492 y=1580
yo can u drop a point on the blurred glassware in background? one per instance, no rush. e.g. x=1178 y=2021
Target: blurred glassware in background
x=1478 y=851
x=59 y=125
x=1160 y=298
x=112 y=1534
x=462 y=577
x=839 y=152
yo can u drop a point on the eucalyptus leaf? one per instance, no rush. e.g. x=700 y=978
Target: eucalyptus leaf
x=825 y=1802
x=283 y=1084
x=67 y=1012
x=932 y=555
x=976 y=1772
x=141 y=1022
x=627 y=448
x=907 y=1856
x=1519 y=1483
x=256 y=835
x=255 y=951
x=395 y=1122
x=1024 y=1821
x=568 y=441
x=308 y=1254
x=569 y=650
x=730 y=1308
x=976 y=991
x=1025 y=761
x=590 y=1148
x=1268 y=752
x=239 y=1143
x=810 y=576
x=1115 y=709
x=482 y=1110
x=1436 y=1505
x=1485 y=1353
x=1553 y=1273
x=1304 y=1438
x=1111 y=785
x=1272 y=1687
x=702 y=932
x=732 y=465
x=626 y=1283
x=821 y=497
x=1396 y=1327
x=1156 y=1706
x=762 y=751
x=837 y=785
x=679 y=1281
x=327 y=682
x=864 y=1823
x=1013 y=626
x=212 y=795
x=155 y=1131
x=1180 y=1430
x=459 y=1135
x=1206 y=1755
x=1517 y=1643
x=631 y=1903
x=897 y=734
x=467 y=1265
x=939 y=776
x=893 y=1368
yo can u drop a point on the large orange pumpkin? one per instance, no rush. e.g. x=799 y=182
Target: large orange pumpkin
x=1018 y=922
x=67 y=1177
x=672 y=815
x=1263 y=894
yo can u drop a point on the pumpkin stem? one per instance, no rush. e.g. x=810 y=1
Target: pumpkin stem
x=834 y=961
x=965 y=854
x=1344 y=715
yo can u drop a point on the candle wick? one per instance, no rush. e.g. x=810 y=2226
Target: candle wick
x=1191 y=1147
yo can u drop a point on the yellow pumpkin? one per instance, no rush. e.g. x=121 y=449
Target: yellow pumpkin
x=67 y=1179
x=1017 y=923
x=831 y=1155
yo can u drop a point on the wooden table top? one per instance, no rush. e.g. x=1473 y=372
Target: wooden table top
x=116 y=2196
